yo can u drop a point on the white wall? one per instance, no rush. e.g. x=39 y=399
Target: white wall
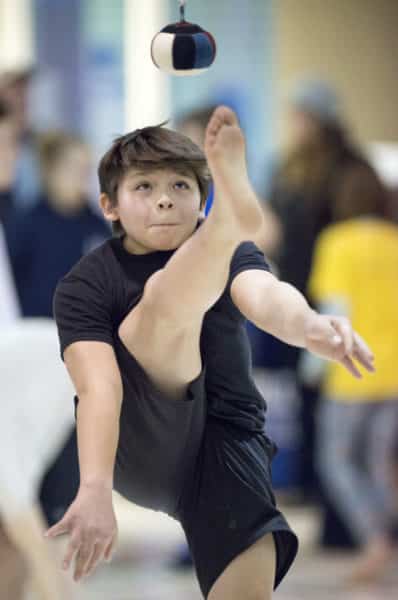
x=16 y=34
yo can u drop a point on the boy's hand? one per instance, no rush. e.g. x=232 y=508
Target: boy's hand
x=91 y=524
x=333 y=338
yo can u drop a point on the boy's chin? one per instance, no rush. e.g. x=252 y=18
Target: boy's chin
x=169 y=242
x=163 y=246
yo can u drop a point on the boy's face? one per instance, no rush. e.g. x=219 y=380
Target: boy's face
x=158 y=209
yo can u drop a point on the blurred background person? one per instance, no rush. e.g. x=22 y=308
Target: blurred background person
x=9 y=305
x=320 y=170
x=355 y=273
x=44 y=241
x=15 y=85
x=48 y=238
x=8 y=160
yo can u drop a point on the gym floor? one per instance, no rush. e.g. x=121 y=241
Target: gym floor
x=148 y=540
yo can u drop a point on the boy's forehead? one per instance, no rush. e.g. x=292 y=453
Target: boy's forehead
x=159 y=171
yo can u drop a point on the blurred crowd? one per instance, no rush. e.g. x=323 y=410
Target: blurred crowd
x=47 y=223
x=329 y=231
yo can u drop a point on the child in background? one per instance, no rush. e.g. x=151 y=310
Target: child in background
x=355 y=272
x=47 y=239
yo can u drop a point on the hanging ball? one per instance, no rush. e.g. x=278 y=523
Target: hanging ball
x=183 y=49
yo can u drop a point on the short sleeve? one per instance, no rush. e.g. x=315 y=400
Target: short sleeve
x=82 y=311
x=247 y=257
x=330 y=275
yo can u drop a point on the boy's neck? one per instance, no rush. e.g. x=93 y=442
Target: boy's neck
x=133 y=247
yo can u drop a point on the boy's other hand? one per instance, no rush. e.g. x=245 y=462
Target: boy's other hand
x=333 y=338
x=91 y=524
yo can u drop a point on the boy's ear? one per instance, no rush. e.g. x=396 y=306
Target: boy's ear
x=110 y=211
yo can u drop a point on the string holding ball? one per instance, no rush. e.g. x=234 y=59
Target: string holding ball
x=183 y=48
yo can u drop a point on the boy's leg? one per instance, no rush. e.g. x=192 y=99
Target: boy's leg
x=163 y=330
x=13 y=569
x=250 y=576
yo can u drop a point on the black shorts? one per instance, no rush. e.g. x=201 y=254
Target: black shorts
x=212 y=476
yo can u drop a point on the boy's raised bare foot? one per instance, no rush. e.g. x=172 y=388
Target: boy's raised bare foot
x=235 y=203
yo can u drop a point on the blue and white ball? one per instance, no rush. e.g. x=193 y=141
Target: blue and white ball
x=183 y=49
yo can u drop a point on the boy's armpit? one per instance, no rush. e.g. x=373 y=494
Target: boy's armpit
x=93 y=365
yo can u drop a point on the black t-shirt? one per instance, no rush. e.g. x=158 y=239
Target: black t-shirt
x=102 y=288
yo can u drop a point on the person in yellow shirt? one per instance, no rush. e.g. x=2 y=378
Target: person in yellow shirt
x=355 y=271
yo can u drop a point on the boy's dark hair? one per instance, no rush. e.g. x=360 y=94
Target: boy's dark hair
x=146 y=149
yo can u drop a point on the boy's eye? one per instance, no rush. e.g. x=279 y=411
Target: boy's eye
x=145 y=185
x=182 y=185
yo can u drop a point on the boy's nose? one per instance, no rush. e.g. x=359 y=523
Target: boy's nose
x=165 y=202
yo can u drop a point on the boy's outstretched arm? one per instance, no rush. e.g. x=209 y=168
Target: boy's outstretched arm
x=281 y=310
x=90 y=520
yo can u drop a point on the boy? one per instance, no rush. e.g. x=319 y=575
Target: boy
x=152 y=332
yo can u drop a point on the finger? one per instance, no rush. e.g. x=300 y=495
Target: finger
x=109 y=551
x=95 y=559
x=72 y=549
x=349 y=365
x=360 y=342
x=363 y=354
x=58 y=529
x=364 y=360
x=343 y=327
x=82 y=559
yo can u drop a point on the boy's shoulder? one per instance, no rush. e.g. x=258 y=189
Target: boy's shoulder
x=247 y=254
x=98 y=262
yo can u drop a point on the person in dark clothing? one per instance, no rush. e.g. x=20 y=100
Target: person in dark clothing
x=15 y=86
x=320 y=174
x=8 y=161
x=46 y=240
x=152 y=330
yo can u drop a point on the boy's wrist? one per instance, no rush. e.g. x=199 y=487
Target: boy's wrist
x=310 y=319
x=97 y=483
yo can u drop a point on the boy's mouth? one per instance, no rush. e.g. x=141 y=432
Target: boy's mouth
x=164 y=224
